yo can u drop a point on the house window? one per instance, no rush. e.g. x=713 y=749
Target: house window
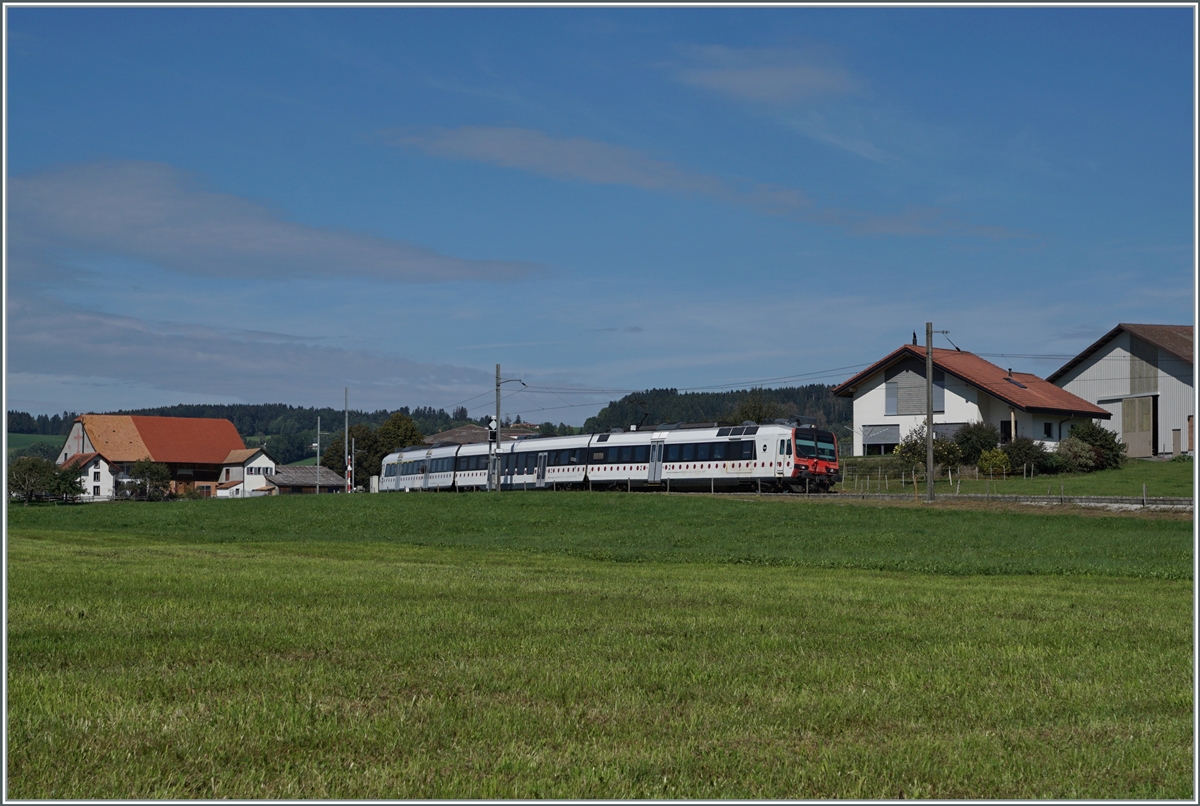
x=891 y=389
x=96 y=476
x=96 y=490
x=1048 y=430
x=226 y=474
x=1006 y=434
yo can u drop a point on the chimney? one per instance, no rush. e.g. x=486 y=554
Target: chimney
x=1010 y=372
x=914 y=338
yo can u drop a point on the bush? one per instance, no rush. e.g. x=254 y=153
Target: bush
x=911 y=450
x=1024 y=451
x=975 y=438
x=1074 y=456
x=993 y=461
x=1108 y=452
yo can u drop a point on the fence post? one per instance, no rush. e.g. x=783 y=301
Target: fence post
x=1143 y=494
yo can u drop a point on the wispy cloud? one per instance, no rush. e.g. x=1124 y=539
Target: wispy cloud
x=156 y=214
x=48 y=339
x=764 y=75
x=585 y=160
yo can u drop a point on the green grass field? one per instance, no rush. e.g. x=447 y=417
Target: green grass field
x=1169 y=479
x=594 y=646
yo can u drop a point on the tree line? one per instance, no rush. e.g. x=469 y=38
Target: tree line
x=655 y=406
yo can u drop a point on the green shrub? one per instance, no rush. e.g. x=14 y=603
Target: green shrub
x=1183 y=457
x=1024 y=451
x=1074 y=456
x=993 y=461
x=911 y=450
x=975 y=438
x=1108 y=452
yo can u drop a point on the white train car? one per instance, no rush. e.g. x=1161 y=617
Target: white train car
x=471 y=466
x=537 y=463
x=419 y=468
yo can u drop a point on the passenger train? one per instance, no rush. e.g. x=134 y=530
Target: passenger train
x=710 y=457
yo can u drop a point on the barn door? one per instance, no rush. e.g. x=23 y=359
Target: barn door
x=1137 y=416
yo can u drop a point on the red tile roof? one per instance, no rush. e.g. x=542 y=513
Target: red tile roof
x=1035 y=394
x=82 y=458
x=1175 y=339
x=188 y=440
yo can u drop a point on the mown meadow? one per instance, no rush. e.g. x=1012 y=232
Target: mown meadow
x=580 y=645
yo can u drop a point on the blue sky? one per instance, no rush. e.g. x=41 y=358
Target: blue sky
x=271 y=204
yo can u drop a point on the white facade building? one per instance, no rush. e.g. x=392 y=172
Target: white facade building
x=890 y=399
x=1142 y=375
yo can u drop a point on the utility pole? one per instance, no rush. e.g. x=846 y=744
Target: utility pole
x=496 y=444
x=346 y=446
x=929 y=410
x=317 y=445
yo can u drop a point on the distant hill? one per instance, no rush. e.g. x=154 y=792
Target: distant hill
x=669 y=406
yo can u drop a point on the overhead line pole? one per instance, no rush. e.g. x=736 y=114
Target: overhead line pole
x=496 y=445
x=929 y=410
x=346 y=444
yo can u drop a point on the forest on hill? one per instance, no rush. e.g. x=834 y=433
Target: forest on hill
x=669 y=406
x=288 y=432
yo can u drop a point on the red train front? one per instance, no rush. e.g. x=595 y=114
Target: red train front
x=815 y=466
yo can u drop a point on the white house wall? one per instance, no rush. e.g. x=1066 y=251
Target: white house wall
x=77 y=442
x=964 y=403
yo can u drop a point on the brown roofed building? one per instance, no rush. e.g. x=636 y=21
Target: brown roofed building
x=890 y=400
x=199 y=452
x=1143 y=375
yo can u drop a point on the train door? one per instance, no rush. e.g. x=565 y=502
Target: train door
x=782 y=456
x=541 y=470
x=425 y=472
x=654 y=469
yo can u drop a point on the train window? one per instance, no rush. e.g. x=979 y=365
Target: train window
x=614 y=452
x=597 y=457
x=741 y=450
x=702 y=452
x=626 y=453
x=581 y=455
x=602 y=438
x=718 y=451
x=751 y=429
x=672 y=453
x=723 y=432
x=825 y=447
x=783 y=446
x=641 y=453
x=806 y=445
x=564 y=457
x=736 y=432
x=689 y=453
x=789 y=447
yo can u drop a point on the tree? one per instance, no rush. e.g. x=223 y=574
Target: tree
x=42 y=450
x=1107 y=451
x=149 y=479
x=975 y=438
x=547 y=429
x=66 y=483
x=460 y=413
x=912 y=449
x=755 y=407
x=29 y=476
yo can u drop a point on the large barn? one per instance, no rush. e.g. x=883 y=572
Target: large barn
x=205 y=455
x=1142 y=374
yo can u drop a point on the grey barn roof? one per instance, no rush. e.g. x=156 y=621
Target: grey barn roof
x=1175 y=339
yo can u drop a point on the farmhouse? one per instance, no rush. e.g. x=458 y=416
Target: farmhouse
x=204 y=455
x=890 y=397
x=1142 y=375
